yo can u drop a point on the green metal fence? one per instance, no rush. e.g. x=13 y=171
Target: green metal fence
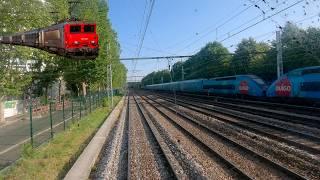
x=42 y=122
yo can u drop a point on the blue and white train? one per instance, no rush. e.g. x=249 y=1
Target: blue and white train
x=249 y=85
x=300 y=83
x=303 y=83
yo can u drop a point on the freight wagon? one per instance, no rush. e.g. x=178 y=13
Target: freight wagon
x=73 y=39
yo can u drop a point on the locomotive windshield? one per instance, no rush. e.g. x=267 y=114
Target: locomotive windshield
x=89 y=28
x=75 y=29
x=311 y=71
x=259 y=81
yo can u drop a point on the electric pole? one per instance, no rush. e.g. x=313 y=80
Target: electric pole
x=182 y=73
x=108 y=87
x=279 y=55
x=109 y=76
x=110 y=66
x=216 y=34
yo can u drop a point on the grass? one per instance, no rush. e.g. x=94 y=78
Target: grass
x=54 y=159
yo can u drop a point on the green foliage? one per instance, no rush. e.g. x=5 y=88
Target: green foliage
x=94 y=73
x=60 y=9
x=212 y=60
x=301 y=48
x=17 y=16
x=250 y=57
x=20 y=15
x=54 y=159
x=157 y=77
x=106 y=102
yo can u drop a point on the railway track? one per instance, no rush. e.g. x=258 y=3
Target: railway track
x=153 y=152
x=304 y=138
x=268 y=163
x=262 y=132
x=304 y=117
x=162 y=137
x=131 y=150
x=299 y=109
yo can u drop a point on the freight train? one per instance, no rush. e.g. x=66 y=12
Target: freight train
x=73 y=39
x=303 y=83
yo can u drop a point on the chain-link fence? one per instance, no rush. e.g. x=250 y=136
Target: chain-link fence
x=40 y=122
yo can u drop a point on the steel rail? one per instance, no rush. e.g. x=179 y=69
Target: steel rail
x=174 y=166
x=241 y=115
x=256 y=101
x=210 y=112
x=128 y=141
x=231 y=165
x=226 y=139
x=284 y=116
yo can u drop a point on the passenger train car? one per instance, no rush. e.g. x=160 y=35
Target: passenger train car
x=73 y=39
x=300 y=83
x=245 y=85
x=195 y=86
x=240 y=85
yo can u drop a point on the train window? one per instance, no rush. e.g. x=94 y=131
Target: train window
x=294 y=73
x=75 y=29
x=226 y=78
x=311 y=71
x=259 y=81
x=310 y=86
x=220 y=87
x=88 y=28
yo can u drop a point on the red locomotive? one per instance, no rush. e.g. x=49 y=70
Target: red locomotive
x=74 y=39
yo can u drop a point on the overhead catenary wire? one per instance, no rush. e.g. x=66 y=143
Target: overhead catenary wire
x=183 y=56
x=200 y=32
x=220 y=25
x=236 y=68
x=144 y=31
x=273 y=14
x=142 y=25
x=247 y=22
x=274 y=31
x=242 y=30
x=145 y=48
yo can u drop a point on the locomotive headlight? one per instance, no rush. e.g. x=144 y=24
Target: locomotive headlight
x=76 y=42
x=93 y=42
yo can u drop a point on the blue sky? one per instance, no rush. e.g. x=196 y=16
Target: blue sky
x=182 y=27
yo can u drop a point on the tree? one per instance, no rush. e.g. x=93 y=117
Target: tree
x=177 y=71
x=17 y=16
x=213 y=60
x=82 y=75
x=47 y=78
x=300 y=47
x=162 y=76
x=20 y=15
